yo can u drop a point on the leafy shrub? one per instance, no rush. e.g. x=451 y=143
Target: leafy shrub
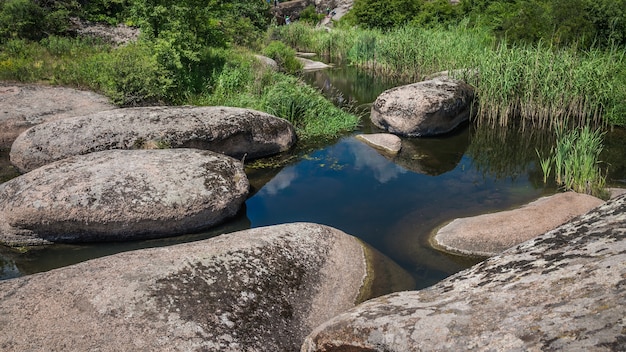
x=310 y=15
x=27 y=19
x=284 y=56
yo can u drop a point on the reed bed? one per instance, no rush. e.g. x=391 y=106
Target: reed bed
x=541 y=86
x=575 y=160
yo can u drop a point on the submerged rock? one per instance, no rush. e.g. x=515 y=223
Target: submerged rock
x=121 y=195
x=563 y=290
x=385 y=142
x=489 y=234
x=23 y=106
x=232 y=131
x=262 y=289
x=425 y=108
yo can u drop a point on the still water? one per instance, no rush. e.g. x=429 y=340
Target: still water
x=393 y=204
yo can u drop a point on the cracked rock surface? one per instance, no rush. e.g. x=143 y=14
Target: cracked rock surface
x=564 y=290
x=262 y=289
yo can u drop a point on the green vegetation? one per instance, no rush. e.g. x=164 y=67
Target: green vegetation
x=575 y=161
x=189 y=52
x=584 y=23
x=542 y=85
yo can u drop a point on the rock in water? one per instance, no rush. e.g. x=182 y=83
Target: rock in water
x=489 y=234
x=121 y=195
x=263 y=289
x=423 y=109
x=232 y=131
x=562 y=291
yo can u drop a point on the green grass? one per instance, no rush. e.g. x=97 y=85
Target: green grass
x=575 y=158
x=539 y=85
x=135 y=75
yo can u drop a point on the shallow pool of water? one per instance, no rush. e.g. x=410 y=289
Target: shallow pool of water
x=393 y=204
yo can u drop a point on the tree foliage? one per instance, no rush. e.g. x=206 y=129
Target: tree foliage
x=583 y=23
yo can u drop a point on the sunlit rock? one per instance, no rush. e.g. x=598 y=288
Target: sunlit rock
x=489 y=234
x=425 y=108
x=385 y=142
x=563 y=290
x=262 y=289
x=23 y=106
x=121 y=195
x=232 y=131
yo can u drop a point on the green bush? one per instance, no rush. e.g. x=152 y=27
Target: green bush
x=27 y=19
x=313 y=116
x=284 y=56
x=309 y=15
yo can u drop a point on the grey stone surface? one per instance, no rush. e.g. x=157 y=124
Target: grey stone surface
x=309 y=65
x=425 y=108
x=121 y=195
x=385 y=142
x=232 y=131
x=562 y=291
x=489 y=234
x=262 y=289
x=23 y=106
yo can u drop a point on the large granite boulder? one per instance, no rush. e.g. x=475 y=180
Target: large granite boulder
x=425 y=108
x=121 y=195
x=489 y=234
x=564 y=290
x=235 y=132
x=23 y=106
x=262 y=289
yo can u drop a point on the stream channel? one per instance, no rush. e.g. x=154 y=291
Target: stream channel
x=393 y=204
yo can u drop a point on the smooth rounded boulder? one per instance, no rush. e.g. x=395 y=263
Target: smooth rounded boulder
x=121 y=195
x=262 y=289
x=561 y=291
x=240 y=133
x=23 y=106
x=427 y=108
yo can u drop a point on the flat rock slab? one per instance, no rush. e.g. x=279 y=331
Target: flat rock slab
x=23 y=106
x=423 y=109
x=562 y=291
x=385 y=142
x=311 y=65
x=489 y=234
x=121 y=195
x=232 y=131
x=262 y=289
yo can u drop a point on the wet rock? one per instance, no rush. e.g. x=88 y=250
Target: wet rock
x=311 y=65
x=121 y=195
x=232 y=131
x=425 y=108
x=385 y=142
x=262 y=289
x=563 y=290
x=23 y=106
x=489 y=234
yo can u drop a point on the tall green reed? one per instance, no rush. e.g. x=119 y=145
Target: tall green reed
x=575 y=158
x=543 y=86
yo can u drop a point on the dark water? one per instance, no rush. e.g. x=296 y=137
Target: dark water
x=392 y=204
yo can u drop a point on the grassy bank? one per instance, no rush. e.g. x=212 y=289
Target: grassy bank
x=539 y=84
x=136 y=74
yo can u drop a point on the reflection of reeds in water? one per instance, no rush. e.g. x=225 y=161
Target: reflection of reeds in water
x=507 y=151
